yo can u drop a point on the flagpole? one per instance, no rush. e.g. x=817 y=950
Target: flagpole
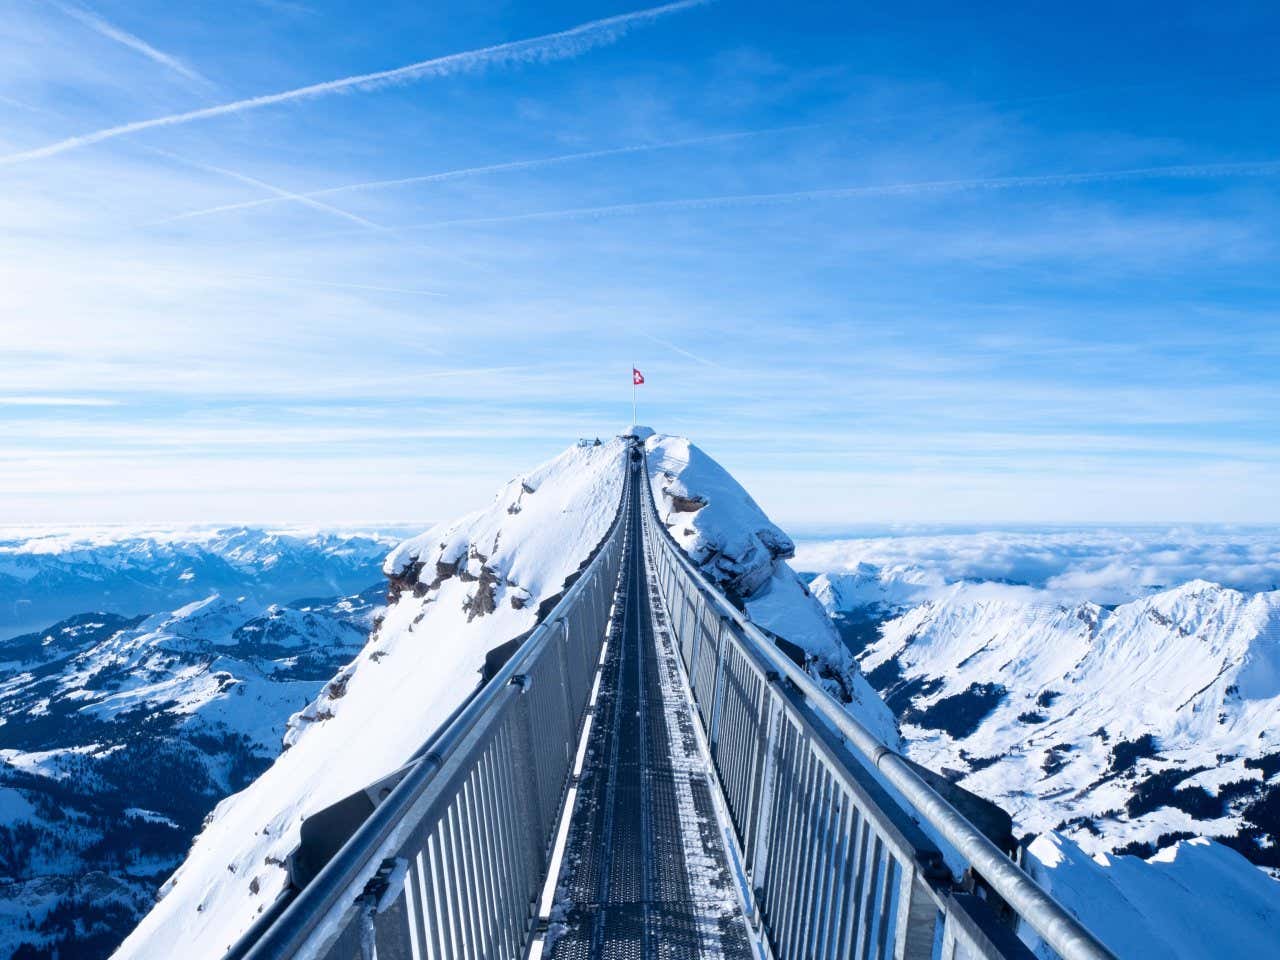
x=633 y=393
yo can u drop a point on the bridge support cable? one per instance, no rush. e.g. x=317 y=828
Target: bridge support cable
x=837 y=865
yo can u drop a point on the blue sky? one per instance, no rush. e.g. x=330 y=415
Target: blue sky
x=913 y=265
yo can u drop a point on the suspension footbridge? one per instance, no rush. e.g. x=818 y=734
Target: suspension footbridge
x=649 y=775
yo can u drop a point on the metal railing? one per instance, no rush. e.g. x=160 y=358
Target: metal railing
x=837 y=867
x=453 y=861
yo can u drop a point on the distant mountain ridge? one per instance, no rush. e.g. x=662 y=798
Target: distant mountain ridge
x=46 y=578
x=1124 y=727
x=120 y=730
x=117 y=737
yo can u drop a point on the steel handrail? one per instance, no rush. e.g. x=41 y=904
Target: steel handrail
x=1058 y=927
x=359 y=859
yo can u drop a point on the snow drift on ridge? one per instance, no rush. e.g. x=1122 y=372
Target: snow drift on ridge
x=460 y=590
x=726 y=533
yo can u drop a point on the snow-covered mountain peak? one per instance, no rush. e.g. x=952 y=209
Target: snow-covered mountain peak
x=730 y=537
x=713 y=518
x=517 y=548
x=1124 y=727
x=459 y=590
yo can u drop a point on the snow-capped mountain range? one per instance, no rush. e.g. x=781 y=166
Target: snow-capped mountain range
x=1124 y=727
x=460 y=590
x=45 y=577
x=119 y=733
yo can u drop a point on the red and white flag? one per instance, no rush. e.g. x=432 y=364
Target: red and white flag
x=637 y=377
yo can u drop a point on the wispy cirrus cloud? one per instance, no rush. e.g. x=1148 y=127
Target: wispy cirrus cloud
x=682 y=351
x=511 y=166
x=1262 y=168
x=37 y=400
x=111 y=31
x=278 y=192
x=547 y=48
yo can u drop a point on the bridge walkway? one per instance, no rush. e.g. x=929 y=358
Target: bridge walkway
x=646 y=871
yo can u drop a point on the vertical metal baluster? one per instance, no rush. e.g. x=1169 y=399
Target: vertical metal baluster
x=466 y=886
x=482 y=833
x=433 y=911
x=813 y=866
x=757 y=853
x=491 y=869
x=916 y=920
x=853 y=924
x=868 y=898
x=450 y=872
x=836 y=876
x=948 y=940
x=523 y=897
x=433 y=922
x=413 y=909
x=886 y=900
x=795 y=843
x=833 y=854
x=778 y=880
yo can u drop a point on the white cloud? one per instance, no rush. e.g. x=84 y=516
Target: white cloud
x=1105 y=565
x=36 y=400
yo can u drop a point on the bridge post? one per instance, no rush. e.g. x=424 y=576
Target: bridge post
x=758 y=866
x=917 y=918
x=717 y=687
x=565 y=663
x=683 y=608
x=528 y=800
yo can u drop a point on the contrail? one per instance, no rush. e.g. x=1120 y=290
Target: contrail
x=135 y=43
x=547 y=48
x=43 y=401
x=1262 y=168
x=345 y=286
x=20 y=105
x=671 y=346
x=501 y=168
x=278 y=191
x=303 y=281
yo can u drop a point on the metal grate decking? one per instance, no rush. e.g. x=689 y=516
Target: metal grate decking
x=646 y=872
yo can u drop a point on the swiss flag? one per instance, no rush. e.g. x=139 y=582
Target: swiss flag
x=637 y=377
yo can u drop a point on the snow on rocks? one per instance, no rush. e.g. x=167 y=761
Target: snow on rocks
x=725 y=532
x=1192 y=900
x=1124 y=728
x=458 y=591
